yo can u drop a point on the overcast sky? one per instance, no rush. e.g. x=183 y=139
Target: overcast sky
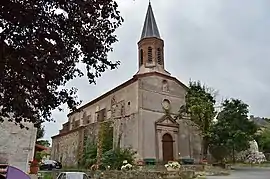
x=223 y=43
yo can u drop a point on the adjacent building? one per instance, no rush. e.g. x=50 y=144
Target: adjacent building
x=143 y=110
x=17 y=145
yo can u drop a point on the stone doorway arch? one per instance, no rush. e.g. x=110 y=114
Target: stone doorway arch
x=167 y=147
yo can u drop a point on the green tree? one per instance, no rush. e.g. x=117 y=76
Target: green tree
x=263 y=140
x=40 y=131
x=233 y=130
x=44 y=143
x=42 y=42
x=40 y=135
x=199 y=107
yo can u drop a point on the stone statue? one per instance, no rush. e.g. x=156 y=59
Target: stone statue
x=253 y=146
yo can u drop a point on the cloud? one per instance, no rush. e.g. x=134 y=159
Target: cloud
x=225 y=44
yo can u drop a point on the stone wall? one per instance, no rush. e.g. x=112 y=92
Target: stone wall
x=121 y=106
x=17 y=145
x=65 y=148
x=121 y=102
x=134 y=174
x=68 y=147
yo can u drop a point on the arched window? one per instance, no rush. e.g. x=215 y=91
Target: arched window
x=141 y=57
x=159 y=58
x=150 y=56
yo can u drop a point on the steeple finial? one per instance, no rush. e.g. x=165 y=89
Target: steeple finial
x=150 y=28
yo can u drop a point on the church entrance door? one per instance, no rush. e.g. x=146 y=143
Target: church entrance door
x=167 y=147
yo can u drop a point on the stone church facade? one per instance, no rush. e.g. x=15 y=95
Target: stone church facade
x=143 y=109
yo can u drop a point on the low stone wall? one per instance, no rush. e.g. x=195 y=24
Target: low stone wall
x=134 y=174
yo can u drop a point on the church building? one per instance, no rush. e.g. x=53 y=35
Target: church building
x=144 y=108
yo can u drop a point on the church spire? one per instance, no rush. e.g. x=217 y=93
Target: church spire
x=151 y=46
x=150 y=28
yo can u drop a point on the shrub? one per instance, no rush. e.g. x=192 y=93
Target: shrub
x=115 y=157
x=219 y=153
x=89 y=155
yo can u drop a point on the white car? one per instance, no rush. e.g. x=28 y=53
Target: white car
x=72 y=175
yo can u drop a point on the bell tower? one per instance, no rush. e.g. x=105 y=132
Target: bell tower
x=151 y=46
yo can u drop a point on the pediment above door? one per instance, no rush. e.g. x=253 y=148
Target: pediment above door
x=168 y=121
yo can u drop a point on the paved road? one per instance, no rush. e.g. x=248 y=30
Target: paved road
x=246 y=173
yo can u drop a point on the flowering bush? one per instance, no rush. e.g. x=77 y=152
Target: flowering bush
x=252 y=155
x=256 y=157
x=174 y=165
x=126 y=165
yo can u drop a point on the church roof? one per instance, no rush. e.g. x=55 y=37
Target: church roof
x=150 y=28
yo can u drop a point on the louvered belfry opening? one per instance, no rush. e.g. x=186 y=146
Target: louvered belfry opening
x=141 y=57
x=150 y=54
x=159 y=57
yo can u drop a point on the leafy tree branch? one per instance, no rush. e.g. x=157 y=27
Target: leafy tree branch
x=42 y=43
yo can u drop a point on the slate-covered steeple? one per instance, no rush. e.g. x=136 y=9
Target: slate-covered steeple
x=151 y=46
x=150 y=28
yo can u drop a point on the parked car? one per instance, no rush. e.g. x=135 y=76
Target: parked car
x=50 y=164
x=73 y=175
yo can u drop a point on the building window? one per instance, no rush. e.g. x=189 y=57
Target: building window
x=165 y=86
x=101 y=115
x=141 y=57
x=122 y=109
x=77 y=124
x=84 y=118
x=150 y=56
x=159 y=59
x=73 y=123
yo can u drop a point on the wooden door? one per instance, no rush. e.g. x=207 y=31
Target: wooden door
x=167 y=147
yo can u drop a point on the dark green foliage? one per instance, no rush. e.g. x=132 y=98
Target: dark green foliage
x=219 y=152
x=41 y=49
x=89 y=155
x=40 y=135
x=44 y=143
x=115 y=157
x=110 y=157
x=40 y=131
x=40 y=154
x=199 y=106
x=107 y=138
x=233 y=130
x=263 y=139
x=90 y=147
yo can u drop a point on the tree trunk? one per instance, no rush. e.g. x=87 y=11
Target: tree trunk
x=233 y=154
x=204 y=148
